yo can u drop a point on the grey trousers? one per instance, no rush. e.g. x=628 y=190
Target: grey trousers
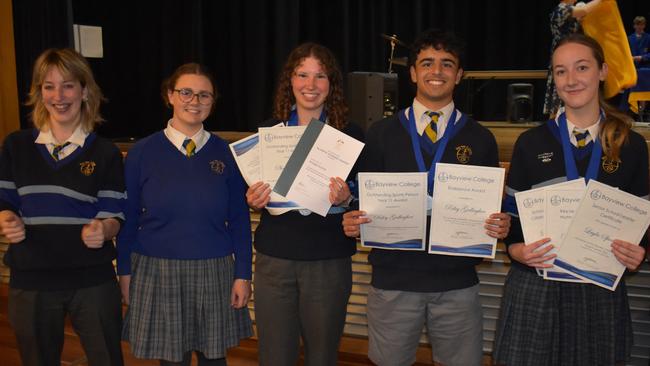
x=37 y=318
x=454 y=321
x=295 y=299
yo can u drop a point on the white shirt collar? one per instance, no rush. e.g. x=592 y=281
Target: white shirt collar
x=176 y=137
x=422 y=120
x=46 y=137
x=593 y=131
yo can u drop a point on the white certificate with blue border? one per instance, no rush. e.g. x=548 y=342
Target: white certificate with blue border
x=561 y=207
x=276 y=147
x=464 y=196
x=397 y=205
x=531 y=207
x=605 y=214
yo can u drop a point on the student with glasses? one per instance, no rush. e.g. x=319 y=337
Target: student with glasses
x=184 y=255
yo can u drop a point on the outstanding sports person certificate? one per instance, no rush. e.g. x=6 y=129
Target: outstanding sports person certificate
x=604 y=214
x=397 y=205
x=463 y=198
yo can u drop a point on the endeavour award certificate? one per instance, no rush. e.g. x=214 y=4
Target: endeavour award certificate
x=464 y=196
x=397 y=205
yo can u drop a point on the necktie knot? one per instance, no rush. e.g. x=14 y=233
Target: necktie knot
x=57 y=150
x=432 y=128
x=189 y=146
x=582 y=137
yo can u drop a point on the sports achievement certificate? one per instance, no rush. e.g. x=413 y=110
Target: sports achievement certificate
x=604 y=214
x=276 y=146
x=397 y=205
x=323 y=152
x=463 y=198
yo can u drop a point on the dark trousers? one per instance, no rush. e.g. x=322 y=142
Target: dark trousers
x=300 y=298
x=37 y=318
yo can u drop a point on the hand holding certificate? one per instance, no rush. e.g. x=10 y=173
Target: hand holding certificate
x=396 y=203
x=323 y=152
x=464 y=196
x=605 y=214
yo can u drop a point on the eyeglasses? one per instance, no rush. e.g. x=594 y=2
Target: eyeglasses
x=187 y=95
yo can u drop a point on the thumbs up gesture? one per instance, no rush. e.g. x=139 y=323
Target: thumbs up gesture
x=92 y=234
x=12 y=226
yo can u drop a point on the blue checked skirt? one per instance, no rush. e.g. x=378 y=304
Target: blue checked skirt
x=556 y=323
x=177 y=306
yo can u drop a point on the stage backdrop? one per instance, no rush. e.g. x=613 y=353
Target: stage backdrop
x=246 y=42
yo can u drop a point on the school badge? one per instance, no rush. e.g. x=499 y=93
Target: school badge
x=87 y=167
x=609 y=165
x=217 y=166
x=463 y=153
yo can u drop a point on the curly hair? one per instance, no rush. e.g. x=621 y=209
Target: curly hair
x=439 y=40
x=335 y=105
x=615 y=127
x=72 y=66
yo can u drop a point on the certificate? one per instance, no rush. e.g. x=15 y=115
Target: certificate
x=561 y=207
x=247 y=156
x=531 y=207
x=605 y=214
x=276 y=146
x=323 y=152
x=464 y=196
x=397 y=205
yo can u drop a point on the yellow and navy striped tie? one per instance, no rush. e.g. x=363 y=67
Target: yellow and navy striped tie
x=582 y=137
x=432 y=128
x=190 y=147
x=57 y=150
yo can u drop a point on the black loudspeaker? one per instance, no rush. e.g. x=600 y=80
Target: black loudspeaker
x=520 y=102
x=371 y=96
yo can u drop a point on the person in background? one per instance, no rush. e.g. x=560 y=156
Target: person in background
x=303 y=270
x=564 y=20
x=413 y=289
x=61 y=198
x=640 y=43
x=545 y=322
x=184 y=255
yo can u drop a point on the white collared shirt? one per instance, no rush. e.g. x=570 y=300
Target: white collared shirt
x=76 y=140
x=176 y=137
x=593 y=131
x=422 y=119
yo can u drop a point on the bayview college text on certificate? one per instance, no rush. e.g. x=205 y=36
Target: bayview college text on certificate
x=605 y=213
x=323 y=152
x=464 y=196
x=276 y=146
x=397 y=205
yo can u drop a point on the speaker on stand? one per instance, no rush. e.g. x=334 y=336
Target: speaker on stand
x=520 y=102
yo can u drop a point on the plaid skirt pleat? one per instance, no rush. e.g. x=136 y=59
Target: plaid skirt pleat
x=551 y=323
x=177 y=306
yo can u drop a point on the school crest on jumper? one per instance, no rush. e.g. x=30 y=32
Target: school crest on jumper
x=609 y=165
x=87 y=167
x=217 y=166
x=463 y=153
